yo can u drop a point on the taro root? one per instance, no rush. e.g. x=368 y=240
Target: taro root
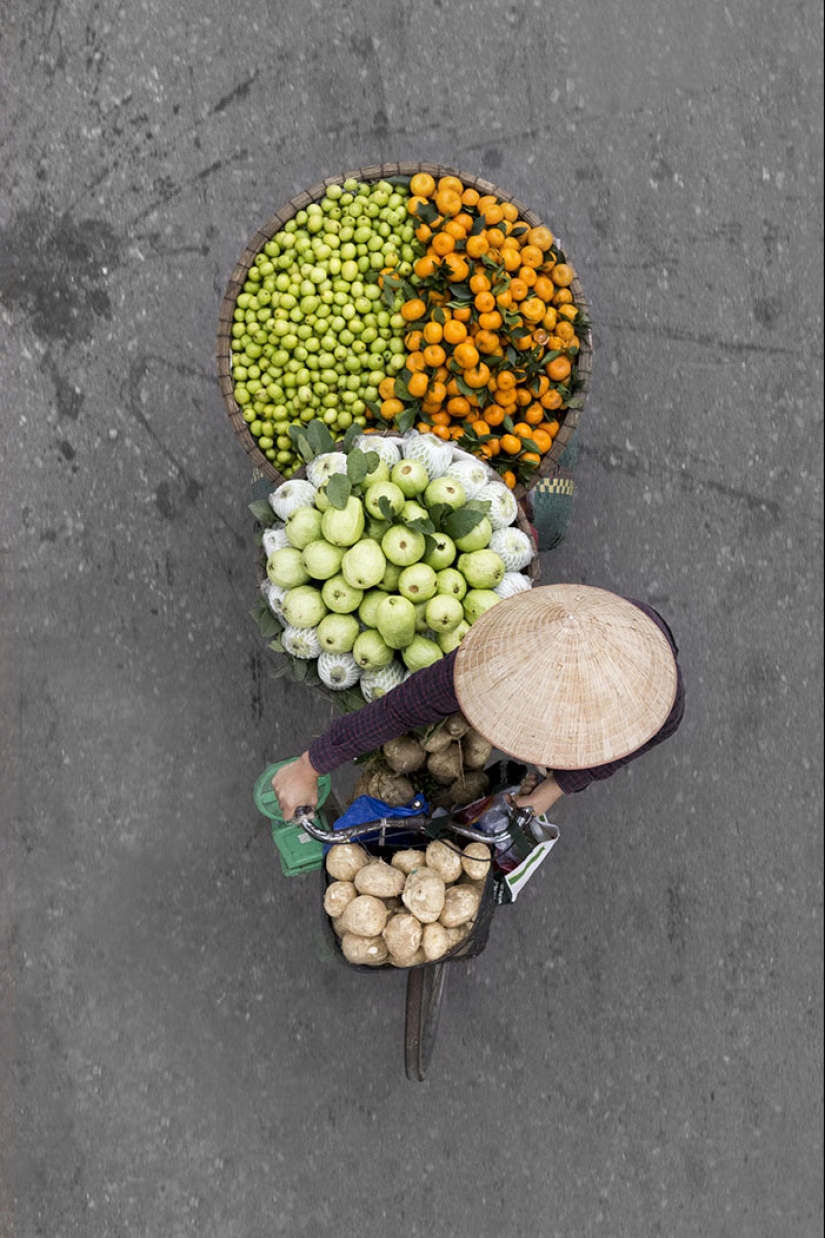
x=393 y=789
x=424 y=895
x=344 y=860
x=476 y=861
x=337 y=896
x=435 y=940
x=438 y=740
x=405 y=754
x=444 y=860
x=366 y=915
x=412 y=961
x=470 y=785
x=408 y=860
x=371 y=951
x=475 y=750
x=402 y=934
x=380 y=879
x=460 y=905
x=457 y=725
x=445 y=766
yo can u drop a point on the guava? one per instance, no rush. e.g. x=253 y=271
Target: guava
x=341 y=597
x=369 y=605
x=304 y=607
x=389 y=581
x=445 y=490
x=411 y=476
x=322 y=559
x=337 y=633
x=441 y=553
x=421 y=624
x=403 y=546
x=381 y=472
x=286 y=567
x=448 y=641
x=387 y=490
x=478 y=537
x=444 y=613
x=375 y=528
x=395 y=620
x=477 y=601
x=420 y=652
x=450 y=581
x=417 y=582
x=343 y=526
x=482 y=569
x=303 y=526
x=371 y=651
x=363 y=564
x=321 y=499
x=412 y=511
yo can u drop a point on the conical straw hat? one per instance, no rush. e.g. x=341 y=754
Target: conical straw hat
x=566 y=676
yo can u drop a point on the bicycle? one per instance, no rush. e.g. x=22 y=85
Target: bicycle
x=427 y=981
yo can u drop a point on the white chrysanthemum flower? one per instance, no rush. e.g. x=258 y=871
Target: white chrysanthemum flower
x=301 y=642
x=433 y=453
x=297 y=492
x=377 y=683
x=325 y=466
x=274 y=539
x=513 y=547
x=389 y=449
x=471 y=474
x=338 y=670
x=503 y=505
x=512 y=583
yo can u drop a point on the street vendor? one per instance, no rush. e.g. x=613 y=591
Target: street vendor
x=570 y=679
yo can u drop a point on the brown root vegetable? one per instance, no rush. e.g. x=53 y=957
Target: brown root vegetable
x=337 y=896
x=344 y=860
x=438 y=740
x=371 y=951
x=423 y=895
x=476 y=861
x=444 y=860
x=408 y=860
x=366 y=915
x=445 y=766
x=380 y=879
x=475 y=749
x=412 y=961
x=470 y=785
x=393 y=789
x=460 y=905
x=402 y=934
x=435 y=940
x=457 y=725
x=404 y=755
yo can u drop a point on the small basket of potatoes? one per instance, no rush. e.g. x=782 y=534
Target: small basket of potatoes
x=404 y=906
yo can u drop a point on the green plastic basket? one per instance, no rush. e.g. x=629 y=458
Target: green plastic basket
x=298 y=851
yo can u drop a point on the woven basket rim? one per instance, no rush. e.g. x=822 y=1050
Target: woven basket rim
x=550 y=461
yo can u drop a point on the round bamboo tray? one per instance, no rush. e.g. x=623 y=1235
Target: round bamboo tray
x=568 y=418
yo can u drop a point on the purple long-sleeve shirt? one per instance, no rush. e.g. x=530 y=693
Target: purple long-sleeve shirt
x=429 y=695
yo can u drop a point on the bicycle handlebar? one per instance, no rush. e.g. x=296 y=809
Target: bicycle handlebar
x=304 y=819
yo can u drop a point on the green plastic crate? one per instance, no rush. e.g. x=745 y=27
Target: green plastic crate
x=299 y=852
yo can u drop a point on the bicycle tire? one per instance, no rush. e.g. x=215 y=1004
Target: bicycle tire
x=426 y=987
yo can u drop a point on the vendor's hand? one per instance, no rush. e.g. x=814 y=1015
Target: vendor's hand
x=541 y=796
x=296 y=786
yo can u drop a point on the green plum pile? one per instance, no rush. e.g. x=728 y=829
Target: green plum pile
x=380 y=559
x=312 y=336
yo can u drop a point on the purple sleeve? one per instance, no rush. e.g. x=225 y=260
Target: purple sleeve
x=425 y=697
x=572 y=780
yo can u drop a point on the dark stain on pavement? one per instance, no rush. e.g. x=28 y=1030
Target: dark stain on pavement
x=53 y=269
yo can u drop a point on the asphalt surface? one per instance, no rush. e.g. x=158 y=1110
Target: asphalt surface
x=638 y=1051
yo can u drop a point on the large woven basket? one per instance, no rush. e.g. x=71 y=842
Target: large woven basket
x=568 y=418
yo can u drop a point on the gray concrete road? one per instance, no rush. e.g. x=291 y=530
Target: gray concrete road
x=638 y=1051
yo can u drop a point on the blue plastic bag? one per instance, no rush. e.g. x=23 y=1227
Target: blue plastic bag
x=367 y=808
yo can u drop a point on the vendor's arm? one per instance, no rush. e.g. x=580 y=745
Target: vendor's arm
x=296 y=786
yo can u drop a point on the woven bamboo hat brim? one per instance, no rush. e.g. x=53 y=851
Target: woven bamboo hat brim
x=565 y=676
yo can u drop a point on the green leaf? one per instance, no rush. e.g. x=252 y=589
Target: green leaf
x=352 y=433
x=439 y=316
x=426 y=213
x=356 y=467
x=262 y=512
x=305 y=450
x=319 y=437
x=438 y=512
x=460 y=523
x=404 y=421
x=401 y=391
x=338 y=489
x=269 y=624
x=276 y=645
x=374 y=408
x=280 y=669
x=299 y=670
x=385 y=508
x=479 y=226
x=421 y=525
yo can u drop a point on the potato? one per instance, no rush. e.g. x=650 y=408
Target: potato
x=361 y=950
x=424 y=895
x=337 y=896
x=435 y=940
x=403 y=936
x=408 y=860
x=445 y=766
x=405 y=754
x=470 y=785
x=366 y=915
x=380 y=879
x=444 y=859
x=460 y=905
x=475 y=749
x=476 y=861
x=344 y=860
